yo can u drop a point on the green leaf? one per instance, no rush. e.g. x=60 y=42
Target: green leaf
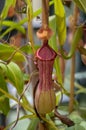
x=76 y=117
x=5 y=47
x=61 y=30
x=28 y=49
x=76 y=127
x=4 y=104
x=14 y=74
x=83 y=123
x=59 y=8
x=70 y=128
x=7 y=5
x=53 y=44
x=81 y=4
x=6 y=51
x=4 y=101
x=58 y=98
x=61 y=21
x=58 y=70
x=74 y=43
x=52 y=24
x=33 y=124
x=79 y=127
x=12 y=26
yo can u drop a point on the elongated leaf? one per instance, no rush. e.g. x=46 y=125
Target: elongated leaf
x=4 y=104
x=74 y=43
x=4 y=101
x=81 y=4
x=4 y=48
x=14 y=74
x=59 y=8
x=6 y=51
x=52 y=24
x=53 y=44
x=33 y=124
x=8 y=3
x=12 y=26
x=61 y=29
x=61 y=22
x=28 y=49
x=58 y=98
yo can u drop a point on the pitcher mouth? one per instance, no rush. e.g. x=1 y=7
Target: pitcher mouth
x=46 y=53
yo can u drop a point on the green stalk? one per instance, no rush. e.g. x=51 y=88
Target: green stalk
x=30 y=30
x=76 y=38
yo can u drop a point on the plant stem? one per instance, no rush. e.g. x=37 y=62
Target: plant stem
x=72 y=84
x=71 y=103
x=45 y=13
x=30 y=30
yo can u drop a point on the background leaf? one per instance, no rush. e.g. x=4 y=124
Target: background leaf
x=61 y=22
x=52 y=40
x=83 y=123
x=79 y=127
x=6 y=51
x=8 y=3
x=81 y=4
x=33 y=124
x=12 y=25
x=76 y=127
x=14 y=74
x=70 y=128
x=4 y=101
x=53 y=44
